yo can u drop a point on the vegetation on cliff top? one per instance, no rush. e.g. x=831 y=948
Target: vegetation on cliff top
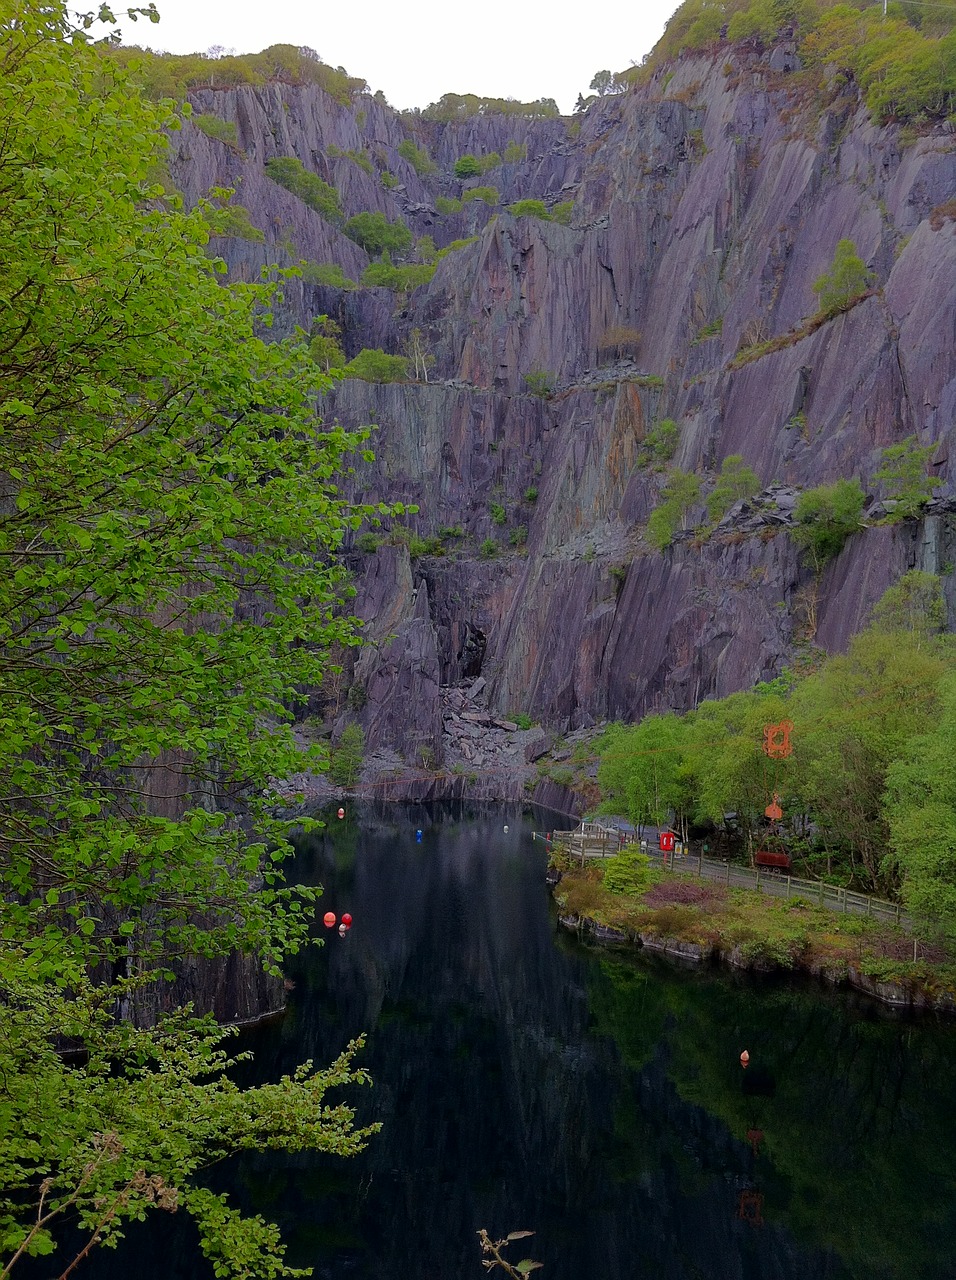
x=904 y=63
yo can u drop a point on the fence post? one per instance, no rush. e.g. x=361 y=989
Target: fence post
x=788 y=886
x=728 y=873
x=821 y=893
x=758 y=879
x=869 y=907
x=897 y=913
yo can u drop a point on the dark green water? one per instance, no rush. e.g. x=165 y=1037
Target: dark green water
x=525 y=1082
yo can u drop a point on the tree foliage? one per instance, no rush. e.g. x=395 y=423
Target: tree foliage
x=376 y=234
x=904 y=63
x=871 y=772
x=905 y=478
x=169 y=517
x=735 y=482
x=845 y=280
x=309 y=187
x=826 y=516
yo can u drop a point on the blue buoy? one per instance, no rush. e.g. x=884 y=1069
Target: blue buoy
x=418 y=836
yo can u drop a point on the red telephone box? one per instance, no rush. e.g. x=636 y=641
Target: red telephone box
x=667 y=841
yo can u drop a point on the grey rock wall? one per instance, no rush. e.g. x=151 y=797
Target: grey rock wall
x=706 y=204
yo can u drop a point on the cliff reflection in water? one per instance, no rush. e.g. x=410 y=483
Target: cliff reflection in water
x=526 y=1083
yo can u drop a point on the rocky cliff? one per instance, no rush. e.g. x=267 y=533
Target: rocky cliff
x=705 y=204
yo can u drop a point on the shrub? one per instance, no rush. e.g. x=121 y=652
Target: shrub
x=467 y=166
x=562 y=212
x=497 y=512
x=446 y=207
x=660 y=443
x=908 y=484
x=540 y=383
x=417 y=157
x=389 y=181
x=327 y=273
x=515 y=152
x=491 y=161
x=847 y=278
x=735 y=482
x=488 y=549
x=375 y=234
x=531 y=495
x=680 y=493
x=383 y=275
x=826 y=516
x=521 y=719
x=214 y=127
x=518 y=535
x=368 y=543
x=627 y=872
x=290 y=173
x=490 y=195
x=530 y=209
x=374 y=365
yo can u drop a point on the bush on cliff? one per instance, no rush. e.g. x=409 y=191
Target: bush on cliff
x=374 y=365
x=292 y=174
x=825 y=517
x=376 y=234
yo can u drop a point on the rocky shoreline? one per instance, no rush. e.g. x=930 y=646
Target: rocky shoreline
x=908 y=998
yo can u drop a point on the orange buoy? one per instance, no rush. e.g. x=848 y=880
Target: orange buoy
x=744 y=1059
x=341 y=813
x=329 y=919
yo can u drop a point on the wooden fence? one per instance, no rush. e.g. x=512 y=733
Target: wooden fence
x=599 y=842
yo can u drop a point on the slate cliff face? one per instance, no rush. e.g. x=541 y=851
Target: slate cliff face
x=705 y=205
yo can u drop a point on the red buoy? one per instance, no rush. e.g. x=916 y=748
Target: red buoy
x=667 y=840
x=341 y=813
x=347 y=920
x=744 y=1059
x=329 y=919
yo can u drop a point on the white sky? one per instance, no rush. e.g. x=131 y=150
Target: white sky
x=419 y=49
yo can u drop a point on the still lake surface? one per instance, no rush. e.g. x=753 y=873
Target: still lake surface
x=526 y=1082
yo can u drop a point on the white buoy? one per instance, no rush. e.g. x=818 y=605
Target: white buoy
x=506 y=830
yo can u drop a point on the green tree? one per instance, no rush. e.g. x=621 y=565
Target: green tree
x=374 y=365
x=846 y=279
x=854 y=719
x=920 y=806
x=914 y=606
x=159 y=462
x=348 y=756
x=825 y=517
x=467 y=166
x=324 y=345
x=736 y=481
x=530 y=209
x=642 y=769
x=680 y=494
x=904 y=475
x=376 y=234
